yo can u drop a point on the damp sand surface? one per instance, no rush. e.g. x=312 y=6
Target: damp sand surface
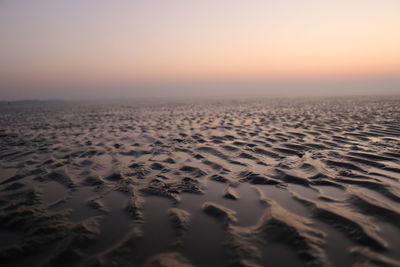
x=244 y=182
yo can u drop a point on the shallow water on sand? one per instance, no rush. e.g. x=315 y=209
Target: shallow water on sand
x=209 y=183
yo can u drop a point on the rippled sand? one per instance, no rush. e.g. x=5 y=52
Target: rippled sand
x=212 y=183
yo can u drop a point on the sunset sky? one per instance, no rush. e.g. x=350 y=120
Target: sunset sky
x=105 y=49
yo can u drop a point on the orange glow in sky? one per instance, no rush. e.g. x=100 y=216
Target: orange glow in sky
x=112 y=42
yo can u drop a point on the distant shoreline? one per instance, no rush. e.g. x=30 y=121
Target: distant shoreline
x=203 y=98
x=34 y=101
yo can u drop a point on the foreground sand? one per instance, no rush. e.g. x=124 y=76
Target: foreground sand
x=212 y=183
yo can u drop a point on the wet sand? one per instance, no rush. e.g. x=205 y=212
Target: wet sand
x=288 y=182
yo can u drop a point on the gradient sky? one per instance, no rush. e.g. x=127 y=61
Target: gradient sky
x=102 y=49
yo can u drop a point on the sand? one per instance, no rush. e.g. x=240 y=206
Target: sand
x=244 y=182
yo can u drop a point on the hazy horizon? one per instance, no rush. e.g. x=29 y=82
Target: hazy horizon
x=134 y=49
x=339 y=88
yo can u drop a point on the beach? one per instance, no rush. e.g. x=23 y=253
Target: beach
x=219 y=182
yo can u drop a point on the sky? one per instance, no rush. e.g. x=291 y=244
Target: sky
x=74 y=49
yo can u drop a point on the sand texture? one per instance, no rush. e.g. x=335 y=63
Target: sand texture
x=289 y=182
